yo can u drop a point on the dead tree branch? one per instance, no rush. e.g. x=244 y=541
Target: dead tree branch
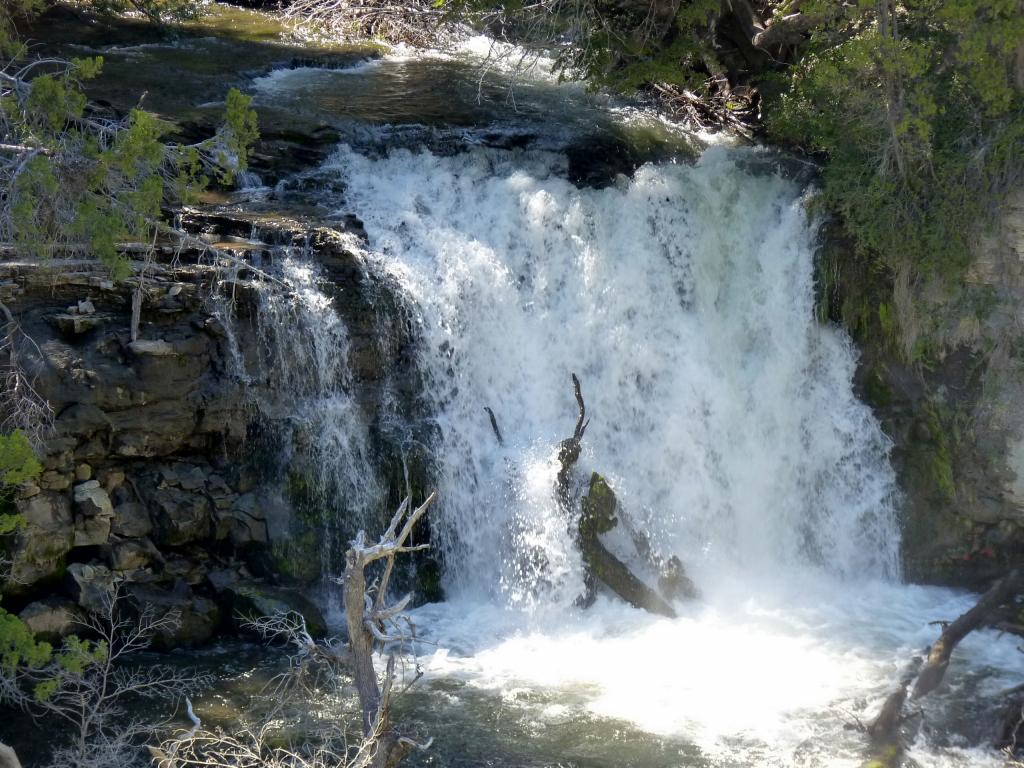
x=934 y=669
x=927 y=676
x=371 y=621
x=8 y=759
x=21 y=406
x=494 y=425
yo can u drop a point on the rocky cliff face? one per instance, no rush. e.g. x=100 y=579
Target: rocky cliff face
x=956 y=413
x=165 y=467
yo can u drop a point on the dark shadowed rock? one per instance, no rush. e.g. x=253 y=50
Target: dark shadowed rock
x=90 y=585
x=131 y=554
x=179 y=516
x=197 y=617
x=253 y=600
x=131 y=520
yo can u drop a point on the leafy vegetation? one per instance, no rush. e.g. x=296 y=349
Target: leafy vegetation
x=75 y=179
x=920 y=115
x=18 y=463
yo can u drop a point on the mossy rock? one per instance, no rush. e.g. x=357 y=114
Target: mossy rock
x=298 y=559
x=599 y=507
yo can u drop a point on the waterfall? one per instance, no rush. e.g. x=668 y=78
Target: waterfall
x=297 y=374
x=305 y=350
x=722 y=412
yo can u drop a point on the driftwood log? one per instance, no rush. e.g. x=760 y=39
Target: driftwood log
x=598 y=515
x=927 y=676
x=599 y=506
x=934 y=669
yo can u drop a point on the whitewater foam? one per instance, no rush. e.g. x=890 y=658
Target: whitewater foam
x=724 y=417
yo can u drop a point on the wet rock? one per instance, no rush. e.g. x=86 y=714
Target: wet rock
x=254 y=600
x=83 y=472
x=52 y=618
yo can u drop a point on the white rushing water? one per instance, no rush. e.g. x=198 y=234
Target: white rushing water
x=298 y=365
x=724 y=418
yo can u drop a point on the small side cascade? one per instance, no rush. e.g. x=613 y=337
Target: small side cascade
x=294 y=362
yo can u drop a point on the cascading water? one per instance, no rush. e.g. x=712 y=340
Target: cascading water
x=305 y=347
x=301 y=360
x=721 y=411
x=722 y=414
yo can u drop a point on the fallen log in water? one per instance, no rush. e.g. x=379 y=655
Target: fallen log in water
x=935 y=666
x=884 y=729
x=598 y=516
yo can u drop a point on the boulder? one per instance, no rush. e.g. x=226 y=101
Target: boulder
x=38 y=548
x=91 y=500
x=81 y=419
x=91 y=585
x=153 y=429
x=52 y=480
x=93 y=514
x=52 y=618
x=76 y=324
x=131 y=554
x=179 y=517
x=157 y=347
x=131 y=520
x=198 y=617
x=244 y=521
x=253 y=600
x=186 y=476
x=192 y=570
x=92 y=531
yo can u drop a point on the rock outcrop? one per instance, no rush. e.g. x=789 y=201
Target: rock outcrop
x=950 y=393
x=167 y=465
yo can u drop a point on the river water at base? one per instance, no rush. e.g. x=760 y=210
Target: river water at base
x=722 y=413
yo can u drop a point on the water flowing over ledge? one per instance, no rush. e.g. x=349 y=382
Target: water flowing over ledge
x=724 y=416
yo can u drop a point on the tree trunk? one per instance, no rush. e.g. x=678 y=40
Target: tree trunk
x=935 y=666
